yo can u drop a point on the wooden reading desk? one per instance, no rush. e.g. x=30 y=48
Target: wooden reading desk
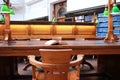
x=88 y=47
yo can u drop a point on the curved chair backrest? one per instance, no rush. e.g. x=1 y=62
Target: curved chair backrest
x=58 y=61
x=55 y=56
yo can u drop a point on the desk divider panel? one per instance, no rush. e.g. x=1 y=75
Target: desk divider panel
x=65 y=31
x=19 y=31
x=46 y=30
x=88 y=31
x=41 y=31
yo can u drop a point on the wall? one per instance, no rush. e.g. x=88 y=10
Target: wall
x=50 y=8
x=19 y=14
x=31 y=9
x=83 y=4
x=18 y=7
x=35 y=9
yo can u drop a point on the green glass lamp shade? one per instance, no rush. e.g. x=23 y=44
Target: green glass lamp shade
x=2 y=19
x=11 y=11
x=115 y=10
x=105 y=13
x=4 y=8
x=96 y=21
x=54 y=19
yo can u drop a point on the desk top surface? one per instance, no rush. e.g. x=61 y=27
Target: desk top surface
x=88 y=47
x=70 y=44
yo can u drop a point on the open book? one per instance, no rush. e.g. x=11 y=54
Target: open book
x=55 y=42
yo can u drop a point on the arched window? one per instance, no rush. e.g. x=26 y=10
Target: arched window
x=61 y=12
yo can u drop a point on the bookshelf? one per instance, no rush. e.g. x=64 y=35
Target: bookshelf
x=102 y=26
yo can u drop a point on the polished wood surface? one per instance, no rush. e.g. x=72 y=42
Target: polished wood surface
x=88 y=47
x=105 y=51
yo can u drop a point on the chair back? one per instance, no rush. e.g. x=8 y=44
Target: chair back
x=55 y=56
x=58 y=61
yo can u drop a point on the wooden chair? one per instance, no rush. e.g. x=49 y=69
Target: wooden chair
x=56 y=64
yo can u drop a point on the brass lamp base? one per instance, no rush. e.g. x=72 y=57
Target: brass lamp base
x=111 y=38
x=7 y=36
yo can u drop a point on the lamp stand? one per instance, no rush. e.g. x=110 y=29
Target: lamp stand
x=110 y=37
x=7 y=31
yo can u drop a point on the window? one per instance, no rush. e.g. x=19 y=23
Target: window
x=61 y=12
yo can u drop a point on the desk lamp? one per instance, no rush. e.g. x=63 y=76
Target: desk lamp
x=95 y=20
x=6 y=10
x=2 y=19
x=110 y=37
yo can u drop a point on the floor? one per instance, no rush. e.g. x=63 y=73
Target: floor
x=84 y=70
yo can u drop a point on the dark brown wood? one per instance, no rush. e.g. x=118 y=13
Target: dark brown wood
x=81 y=46
x=87 y=47
x=48 y=23
x=8 y=67
x=109 y=64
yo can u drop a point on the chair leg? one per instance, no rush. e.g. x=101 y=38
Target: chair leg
x=87 y=63
x=26 y=67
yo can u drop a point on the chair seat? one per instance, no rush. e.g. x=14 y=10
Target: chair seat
x=72 y=74
x=39 y=69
